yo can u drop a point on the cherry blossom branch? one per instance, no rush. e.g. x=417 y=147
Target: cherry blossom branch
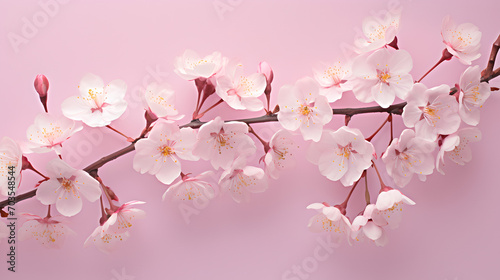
x=396 y=109
x=393 y=109
x=493 y=75
x=493 y=55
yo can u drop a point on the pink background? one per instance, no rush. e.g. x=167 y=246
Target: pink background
x=450 y=234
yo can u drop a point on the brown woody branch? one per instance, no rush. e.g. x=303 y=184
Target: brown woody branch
x=491 y=61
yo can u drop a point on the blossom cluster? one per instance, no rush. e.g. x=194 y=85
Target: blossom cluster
x=440 y=124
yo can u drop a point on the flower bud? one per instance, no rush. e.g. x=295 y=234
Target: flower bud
x=42 y=87
x=265 y=69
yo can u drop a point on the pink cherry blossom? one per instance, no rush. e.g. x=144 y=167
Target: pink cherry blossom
x=50 y=232
x=331 y=220
x=379 y=31
x=121 y=219
x=365 y=227
x=159 y=154
x=389 y=208
x=10 y=156
x=240 y=180
x=191 y=188
x=409 y=155
x=456 y=147
x=222 y=142
x=302 y=107
x=239 y=91
x=332 y=79
x=98 y=104
x=65 y=188
x=431 y=111
x=342 y=155
x=280 y=153
x=381 y=76
x=106 y=241
x=191 y=66
x=160 y=101
x=462 y=41
x=49 y=132
x=473 y=94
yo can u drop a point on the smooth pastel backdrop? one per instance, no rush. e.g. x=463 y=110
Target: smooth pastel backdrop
x=451 y=233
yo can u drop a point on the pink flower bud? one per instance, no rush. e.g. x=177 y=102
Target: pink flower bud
x=265 y=69
x=41 y=85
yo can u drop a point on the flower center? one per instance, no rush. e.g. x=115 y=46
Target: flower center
x=52 y=133
x=67 y=184
x=384 y=76
x=430 y=114
x=281 y=154
x=430 y=111
x=194 y=64
x=378 y=33
x=221 y=139
x=305 y=110
x=346 y=150
x=167 y=151
x=333 y=73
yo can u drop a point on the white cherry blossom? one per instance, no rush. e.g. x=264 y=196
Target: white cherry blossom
x=456 y=147
x=389 y=208
x=222 y=142
x=330 y=219
x=379 y=31
x=159 y=154
x=98 y=104
x=65 y=188
x=191 y=66
x=159 y=99
x=473 y=94
x=332 y=78
x=49 y=132
x=191 y=188
x=11 y=163
x=409 y=155
x=280 y=153
x=239 y=91
x=120 y=221
x=431 y=111
x=381 y=76
x=462 y=41
x=106 y=241
x=342 y=155
x=302 y=107
x=240 y=180
x=50 y=232
x=365 y=227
